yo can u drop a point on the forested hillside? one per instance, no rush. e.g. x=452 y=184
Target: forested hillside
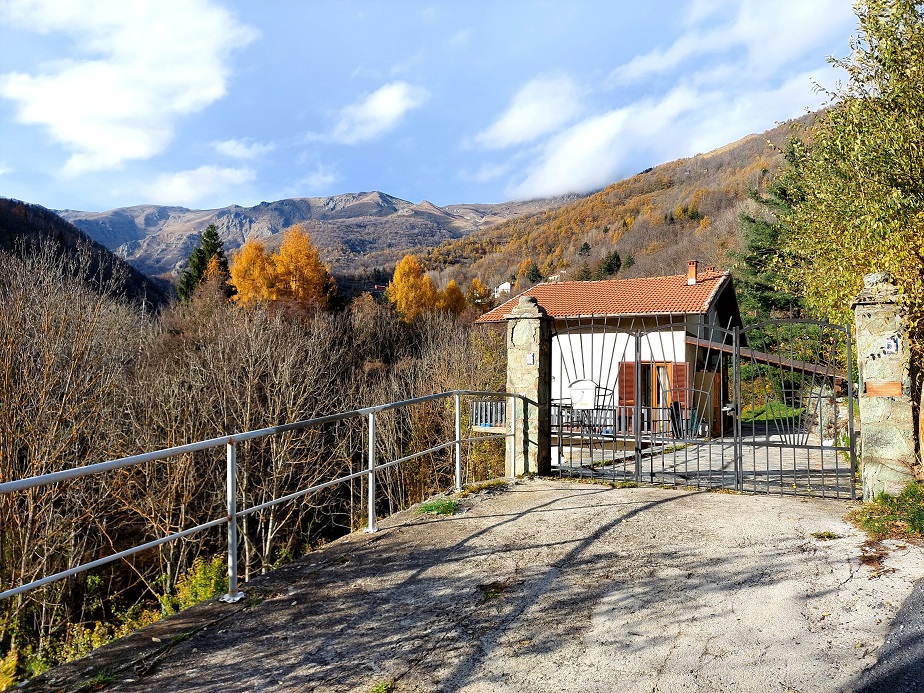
x=24 y=226
x=657 y=220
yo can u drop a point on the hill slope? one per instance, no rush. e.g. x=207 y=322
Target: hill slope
x=662 y=217
x=23 y=224
x=354 y=231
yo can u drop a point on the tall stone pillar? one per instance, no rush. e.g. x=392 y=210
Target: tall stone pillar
x=529 y=373
x=883 y=357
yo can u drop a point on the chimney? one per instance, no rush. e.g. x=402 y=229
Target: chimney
x=710 y=268
x=692 y=267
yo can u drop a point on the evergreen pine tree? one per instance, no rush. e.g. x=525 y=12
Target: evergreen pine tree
x=209 y=246
x=759 y=263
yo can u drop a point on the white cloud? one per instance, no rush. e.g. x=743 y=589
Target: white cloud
x=378 y=113
x=486 y=173
x=771 y=34
x=244 y=148
x=589 y=154
x=137 y=68
x=319 y=180
x=196 y=185
x=734 y=71
x=582 y=158
x=4 y=169
x=540 y=107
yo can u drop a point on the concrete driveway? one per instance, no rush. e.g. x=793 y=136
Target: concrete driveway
x=553 y=586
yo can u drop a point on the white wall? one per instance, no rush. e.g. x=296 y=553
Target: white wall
x=596 y=355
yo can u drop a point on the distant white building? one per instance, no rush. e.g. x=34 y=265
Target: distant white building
x=502 y=289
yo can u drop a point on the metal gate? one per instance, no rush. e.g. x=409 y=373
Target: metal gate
x=767 y=408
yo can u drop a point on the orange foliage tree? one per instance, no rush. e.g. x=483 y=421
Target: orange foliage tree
x=300 y=274
x=253 y=273
x=295 y=273
x=451 y=299
x=411 y=290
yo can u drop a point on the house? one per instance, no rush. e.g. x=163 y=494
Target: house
x=502 y=290
x=653 y=348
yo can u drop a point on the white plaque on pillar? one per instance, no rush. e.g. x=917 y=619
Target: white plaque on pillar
x=531 y=358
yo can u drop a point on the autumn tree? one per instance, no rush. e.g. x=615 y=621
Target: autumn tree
x=859 y=183
x=451 y=299
x=253 y=274
x=300 y=274
x=478 y=293
x=411 y=290
x=210 y=245
x=858 y=186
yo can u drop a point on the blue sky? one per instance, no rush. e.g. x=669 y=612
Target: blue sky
x=205 y=103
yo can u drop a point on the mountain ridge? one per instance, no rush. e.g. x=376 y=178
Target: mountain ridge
x=349 y=228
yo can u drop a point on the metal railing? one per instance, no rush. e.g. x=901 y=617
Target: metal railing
x=230 y=442
x=489 y=413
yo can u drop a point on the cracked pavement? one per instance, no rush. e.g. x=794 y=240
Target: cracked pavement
x=548 y=586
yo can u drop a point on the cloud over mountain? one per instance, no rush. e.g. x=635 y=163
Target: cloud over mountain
x=377 y=113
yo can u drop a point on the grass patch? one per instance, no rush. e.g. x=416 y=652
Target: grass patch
x=470 y=489
x=893 y=517
x=825 y=536
x=439 y=506
x=383 y=687
x=493 y=590
x=98 y=682
x=772 y=412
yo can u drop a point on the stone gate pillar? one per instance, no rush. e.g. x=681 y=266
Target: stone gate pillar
x=529 y=373
x=886 y=422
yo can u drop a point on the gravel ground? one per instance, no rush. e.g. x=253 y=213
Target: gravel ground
x=557 y=586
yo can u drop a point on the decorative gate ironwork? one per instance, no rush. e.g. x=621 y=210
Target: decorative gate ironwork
x=768 y=408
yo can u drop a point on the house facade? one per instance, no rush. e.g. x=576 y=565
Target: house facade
x=646 y=349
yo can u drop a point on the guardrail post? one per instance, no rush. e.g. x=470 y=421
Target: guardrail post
x=233 y=594
x=370 y=523
x=458 y=403
x=511 y=402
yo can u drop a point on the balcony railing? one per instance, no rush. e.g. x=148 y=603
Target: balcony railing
x=230 y=443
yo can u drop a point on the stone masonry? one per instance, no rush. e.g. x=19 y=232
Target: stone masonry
x=886 y=421
x=529 y=373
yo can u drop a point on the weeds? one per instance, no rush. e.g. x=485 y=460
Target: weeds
x=825 y=536
x=493 y=590
x=383 y=687
x=496 y=484
x=893 y=517
x=439 y=506
x=8 y=669
x=98 y=682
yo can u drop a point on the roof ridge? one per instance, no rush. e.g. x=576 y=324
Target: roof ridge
x=663 y=294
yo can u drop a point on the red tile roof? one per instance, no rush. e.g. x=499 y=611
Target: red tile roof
x=644 y=296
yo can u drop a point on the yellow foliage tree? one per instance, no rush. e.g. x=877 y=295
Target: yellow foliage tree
x=451 y=299
x=478 y=293
x=411 y=290
x=300 y=274
x=253 y=274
